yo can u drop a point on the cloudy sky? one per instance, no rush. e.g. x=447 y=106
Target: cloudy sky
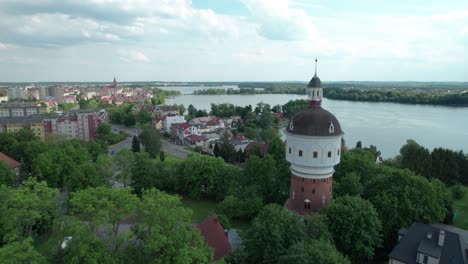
x=233 y=40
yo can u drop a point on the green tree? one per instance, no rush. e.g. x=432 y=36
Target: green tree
x=104 y=167
x=313 y=252
x=124 y=161
x=26 y=210
x=402 y=198
x=144 y=116
x=226 y=150
x=359 y=144
x=273 y=231
x=201 y=176
x=150 y=138
x=416 y=158
x=358 y=161
x=317 y=227
x=162 y=156
x=182 y=109
x=192 y=111
x=349 y=185
x=166 y=232
x=262 y=174
x=355 y=226
x=22 y=252
x=135 y=144
x=81 y=245
x=7 y=176
x=96 y=148
x=104 y=131
x=86 y=175
x=104 y=207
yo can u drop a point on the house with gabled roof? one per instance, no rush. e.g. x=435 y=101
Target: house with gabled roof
x=215 y=237
x=423 y=243
x=13 y=164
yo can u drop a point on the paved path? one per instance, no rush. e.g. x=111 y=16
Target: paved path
x=167 y=146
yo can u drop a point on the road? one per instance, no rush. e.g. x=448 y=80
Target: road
x=168 y=147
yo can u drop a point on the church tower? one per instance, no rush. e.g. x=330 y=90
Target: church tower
x=313 y=147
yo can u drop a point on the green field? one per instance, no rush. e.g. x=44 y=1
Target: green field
x=461 y=211
x=202 y=209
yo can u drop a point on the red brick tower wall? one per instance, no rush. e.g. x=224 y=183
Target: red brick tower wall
x=311 y=189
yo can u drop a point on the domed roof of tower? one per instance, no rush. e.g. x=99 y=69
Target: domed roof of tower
x=315 y=82
x=314 y=121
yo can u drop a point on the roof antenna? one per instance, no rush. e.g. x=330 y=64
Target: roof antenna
x=315 y=66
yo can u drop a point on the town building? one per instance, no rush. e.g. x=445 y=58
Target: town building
x=168 y=120
x=81 y=124
x=423 y=243
x=14 y=124
x=164 y=110
x=21 y=109
x=13 y=164
x=215 y=237
x=313 y=145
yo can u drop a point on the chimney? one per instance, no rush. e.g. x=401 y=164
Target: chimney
x=441 y=238
x=429 y=235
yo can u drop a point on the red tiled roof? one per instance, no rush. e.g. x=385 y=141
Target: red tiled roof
x=262 y=148
x=9 y=161
x=194 y=138
x=214 y=236
x=180 y=125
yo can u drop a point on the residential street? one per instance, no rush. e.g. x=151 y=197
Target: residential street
x=168 y=147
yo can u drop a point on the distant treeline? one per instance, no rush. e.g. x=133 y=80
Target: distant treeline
x=216 y=91
x=273 y=89
x=397 y=96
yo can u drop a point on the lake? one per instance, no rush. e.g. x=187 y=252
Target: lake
x=385 y=125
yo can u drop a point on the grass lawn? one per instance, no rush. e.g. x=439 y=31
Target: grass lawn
x=461 y=211
x=170 y=159
x=201 y=208
x=204 y=208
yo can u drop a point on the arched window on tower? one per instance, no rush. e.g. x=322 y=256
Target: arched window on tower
x=313 y=191
x=315 y=154
x=329 y=154
x=307 y=204
x=302 y=189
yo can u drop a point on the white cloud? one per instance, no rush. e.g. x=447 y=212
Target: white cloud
x=3 y=46
x=277 y=20
x=132 y=55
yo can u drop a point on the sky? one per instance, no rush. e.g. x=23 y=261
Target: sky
x=233 y=40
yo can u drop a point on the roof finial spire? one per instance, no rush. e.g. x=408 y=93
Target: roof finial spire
x=315 y=66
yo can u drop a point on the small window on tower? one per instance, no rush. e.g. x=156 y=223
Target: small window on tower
x=315 y=154
x=313 y=191
x=338 y=152
x=300 y=153
x=329 y=154
x=302 y=189
x=289 y=150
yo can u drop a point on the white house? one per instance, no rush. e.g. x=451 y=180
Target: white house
x=169 y=120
